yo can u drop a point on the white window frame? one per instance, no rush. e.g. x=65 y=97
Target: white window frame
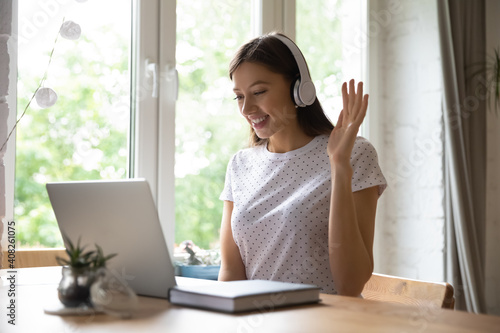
x=373 y=121
x=10 y=154
x=154 y=152
x=154 y=130
x=273 y=15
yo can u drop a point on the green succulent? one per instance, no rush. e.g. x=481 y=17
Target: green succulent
x=99 y=259
x=78 y=258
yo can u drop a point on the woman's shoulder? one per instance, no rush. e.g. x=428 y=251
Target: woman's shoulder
x=361 y=145
x=363 y=152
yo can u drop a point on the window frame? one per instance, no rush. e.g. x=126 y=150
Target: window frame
x=154 y=139
x=10 y=154
x=153 y=126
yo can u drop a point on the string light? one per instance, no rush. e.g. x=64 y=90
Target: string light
x=70 y=30
x=46 y=97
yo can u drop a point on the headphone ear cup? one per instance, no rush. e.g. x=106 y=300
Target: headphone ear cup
x=295 y=93
x=303 y=93
x=307 y=93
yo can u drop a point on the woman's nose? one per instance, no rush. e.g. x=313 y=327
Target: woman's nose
x=247 y=106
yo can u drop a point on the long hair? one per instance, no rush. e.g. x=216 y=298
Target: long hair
x=269 y=51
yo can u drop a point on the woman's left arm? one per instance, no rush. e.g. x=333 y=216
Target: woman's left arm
x=352 y=215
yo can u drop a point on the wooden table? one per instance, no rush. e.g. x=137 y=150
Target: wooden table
x=36 y=287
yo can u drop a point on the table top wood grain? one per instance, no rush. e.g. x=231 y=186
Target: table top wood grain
x=36 y=288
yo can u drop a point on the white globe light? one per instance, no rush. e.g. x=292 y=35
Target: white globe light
x=70 y=30
x=45 y=97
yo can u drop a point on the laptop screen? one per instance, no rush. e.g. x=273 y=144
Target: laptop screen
x=120 y=216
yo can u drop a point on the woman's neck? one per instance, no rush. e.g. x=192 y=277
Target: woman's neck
x=285 y=143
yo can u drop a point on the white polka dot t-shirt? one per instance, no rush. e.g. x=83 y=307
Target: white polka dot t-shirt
x=281 y=208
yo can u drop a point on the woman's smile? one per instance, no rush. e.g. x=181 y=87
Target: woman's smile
x=259 y=122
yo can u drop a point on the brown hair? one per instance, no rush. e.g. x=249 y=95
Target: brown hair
x=269 y=51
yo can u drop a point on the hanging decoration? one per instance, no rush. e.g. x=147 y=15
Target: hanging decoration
x=45 y=96
x=70 y=30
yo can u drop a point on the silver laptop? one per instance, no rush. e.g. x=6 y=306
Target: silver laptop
x=121 y=217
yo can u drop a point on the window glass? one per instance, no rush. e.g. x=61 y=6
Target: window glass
x=330 y=34
x=85 y=134
x=209 y=129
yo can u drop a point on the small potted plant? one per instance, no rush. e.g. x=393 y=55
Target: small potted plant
x=78 y=273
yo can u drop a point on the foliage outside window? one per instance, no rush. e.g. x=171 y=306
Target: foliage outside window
x=330 y=35
x=85 y=134
x=209 y=129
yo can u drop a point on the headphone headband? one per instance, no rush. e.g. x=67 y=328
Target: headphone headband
x=304 y=92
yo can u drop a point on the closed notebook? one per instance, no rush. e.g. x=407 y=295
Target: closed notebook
x=245 y=295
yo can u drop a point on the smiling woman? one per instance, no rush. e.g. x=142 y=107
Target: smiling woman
x=300 y=204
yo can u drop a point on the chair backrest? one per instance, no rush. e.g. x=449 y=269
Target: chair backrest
x=395 y=289
x=33 y=257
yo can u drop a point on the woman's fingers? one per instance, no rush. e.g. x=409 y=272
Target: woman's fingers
x=352 y=94
x=340 y=119
x=364 y=104
x=362 y=110
x=345 y=97
x=354 y=102
x=359 y=96
x=352 y=99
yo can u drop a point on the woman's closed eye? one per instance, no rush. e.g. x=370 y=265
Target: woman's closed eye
x=240 y=97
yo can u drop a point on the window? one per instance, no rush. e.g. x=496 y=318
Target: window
x=329 y=33
x=209 y=128
x=85 y=135
x=117 y=110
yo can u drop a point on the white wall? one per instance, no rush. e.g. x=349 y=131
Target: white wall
x=405 y=79
x=405 y=56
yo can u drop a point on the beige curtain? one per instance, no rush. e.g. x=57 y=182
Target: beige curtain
x=462 y=37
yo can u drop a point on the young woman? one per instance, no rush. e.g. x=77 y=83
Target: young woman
x=300 y=203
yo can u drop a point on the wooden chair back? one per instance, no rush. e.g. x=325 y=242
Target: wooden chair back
x=33 y=257
x=395 y=289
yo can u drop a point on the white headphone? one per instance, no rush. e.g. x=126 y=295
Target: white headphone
x=304 y=92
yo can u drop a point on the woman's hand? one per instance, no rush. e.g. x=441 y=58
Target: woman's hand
x=352 y=215
x=344 y=134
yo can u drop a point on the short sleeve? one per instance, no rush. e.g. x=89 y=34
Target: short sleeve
x=227 y=192
x=366 y=170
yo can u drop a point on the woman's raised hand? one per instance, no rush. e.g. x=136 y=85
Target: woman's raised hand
x=352 y=115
